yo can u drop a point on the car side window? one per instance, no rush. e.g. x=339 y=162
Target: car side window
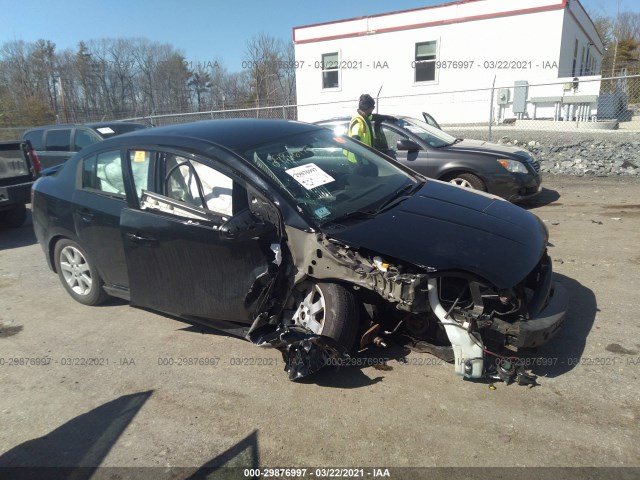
x=198 y=185
x=392 y=137
x=58 y=140
x=140 y=161
x=103 y=173
x=82 y=139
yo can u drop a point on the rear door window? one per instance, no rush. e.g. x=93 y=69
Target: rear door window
x=141 y=169
x=58 y=140
x=103 y=173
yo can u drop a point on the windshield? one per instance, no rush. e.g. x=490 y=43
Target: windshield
x=330 y=177
x=434 y=137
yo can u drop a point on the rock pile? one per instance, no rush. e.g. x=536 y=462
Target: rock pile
x=603 y=153
x=587 y=157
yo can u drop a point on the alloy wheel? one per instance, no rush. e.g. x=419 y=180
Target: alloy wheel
x=75 y=270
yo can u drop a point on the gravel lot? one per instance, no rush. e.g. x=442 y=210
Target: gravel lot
x=119 y=390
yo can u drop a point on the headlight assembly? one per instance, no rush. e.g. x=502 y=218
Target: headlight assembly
x=513 y=165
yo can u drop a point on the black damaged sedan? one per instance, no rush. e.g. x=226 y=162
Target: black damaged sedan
x=298 y=239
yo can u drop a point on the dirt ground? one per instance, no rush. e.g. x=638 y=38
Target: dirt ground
x=115 y=386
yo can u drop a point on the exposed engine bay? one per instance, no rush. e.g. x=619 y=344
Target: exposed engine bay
x=453 y=315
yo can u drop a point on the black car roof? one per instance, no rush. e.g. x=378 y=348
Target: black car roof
x=234 y=134
x=90 y=125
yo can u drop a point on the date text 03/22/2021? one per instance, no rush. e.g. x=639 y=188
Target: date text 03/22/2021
x=493 y=64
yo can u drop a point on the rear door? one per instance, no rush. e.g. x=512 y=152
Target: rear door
x=97 y=204
x=177 y=258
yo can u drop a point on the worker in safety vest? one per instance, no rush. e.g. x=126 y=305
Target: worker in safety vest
x=360 y=125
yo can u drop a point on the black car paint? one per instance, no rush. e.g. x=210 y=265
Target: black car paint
x=448 y=229
x=183 y=267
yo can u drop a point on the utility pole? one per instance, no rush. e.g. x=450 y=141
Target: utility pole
x=615 y=47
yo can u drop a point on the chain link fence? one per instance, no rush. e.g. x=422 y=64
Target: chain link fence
x=565 y=105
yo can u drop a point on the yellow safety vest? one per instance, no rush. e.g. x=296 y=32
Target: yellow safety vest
x=359 y=127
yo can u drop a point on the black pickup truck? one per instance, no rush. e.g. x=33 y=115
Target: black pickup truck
x=19 y=168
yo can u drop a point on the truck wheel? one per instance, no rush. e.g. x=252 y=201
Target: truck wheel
x=15 y=217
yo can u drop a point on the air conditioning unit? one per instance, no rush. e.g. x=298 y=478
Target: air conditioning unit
x=503 y=96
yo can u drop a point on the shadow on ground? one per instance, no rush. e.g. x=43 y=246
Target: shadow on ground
x=545 y=197
x=77 y=447
x=563 y=352
x=18 y=237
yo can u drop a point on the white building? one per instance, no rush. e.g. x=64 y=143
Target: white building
x=445 y=59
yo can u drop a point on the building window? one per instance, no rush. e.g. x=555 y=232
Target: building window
x=330 y=70
x=425 y=63
x=582 y=62
x=575 y=59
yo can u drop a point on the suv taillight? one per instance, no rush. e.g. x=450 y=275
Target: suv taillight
x=35 y=161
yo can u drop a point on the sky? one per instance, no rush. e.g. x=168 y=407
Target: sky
x=206 y=31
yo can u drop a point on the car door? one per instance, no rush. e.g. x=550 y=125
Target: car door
x=430 y=120
x=179 y=258
x=97 y=204
x=417 y=159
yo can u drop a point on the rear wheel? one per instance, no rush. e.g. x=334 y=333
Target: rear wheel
x=327 y=309
x=467 y=180
x=77 y=275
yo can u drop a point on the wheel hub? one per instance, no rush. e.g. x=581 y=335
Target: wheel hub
x=310 y=310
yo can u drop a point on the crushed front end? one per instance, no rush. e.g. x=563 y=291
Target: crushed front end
x=459 y=315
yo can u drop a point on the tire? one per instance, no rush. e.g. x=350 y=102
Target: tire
x=14 y=218
x=327 y=309
x=467 y=180
x=78 y=276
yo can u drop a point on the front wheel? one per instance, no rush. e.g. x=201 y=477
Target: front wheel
x=327 y=309
x=467 y=180
x=77 y=275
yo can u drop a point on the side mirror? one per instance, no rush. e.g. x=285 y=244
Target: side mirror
x=243 y=226
x=408 y=145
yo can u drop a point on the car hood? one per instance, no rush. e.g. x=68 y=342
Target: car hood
x=444 y=227
x=487 y=147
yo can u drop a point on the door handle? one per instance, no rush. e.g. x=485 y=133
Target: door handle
x=141 y=239
x=85 y=215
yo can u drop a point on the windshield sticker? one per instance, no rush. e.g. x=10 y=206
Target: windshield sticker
x=339 y=140
x=140 y=156
x=310 y=176
x=105 y=130
x=321 y=212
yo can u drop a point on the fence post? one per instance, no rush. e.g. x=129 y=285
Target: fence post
x=491 y=106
